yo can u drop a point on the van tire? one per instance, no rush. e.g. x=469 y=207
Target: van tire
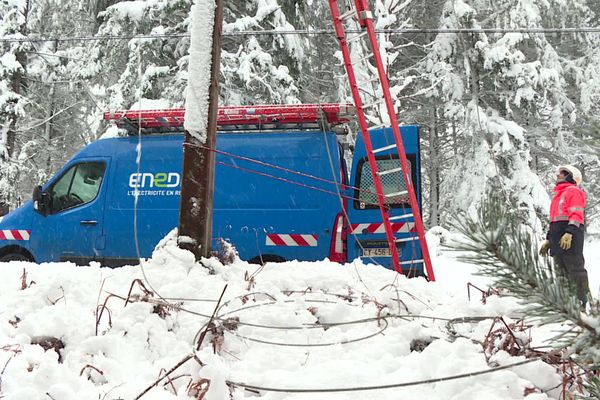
x=265 y=258
x=14 y=257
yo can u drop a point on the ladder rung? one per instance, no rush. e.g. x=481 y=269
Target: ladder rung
x=395 y=194
x=379 y=150
x=401 y=217
x=389 y=171
x=356 y=37
x=408 y=239
x=347 y=14
x=412 y=262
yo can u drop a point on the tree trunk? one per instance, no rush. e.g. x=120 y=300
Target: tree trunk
x=49 y=125
x=433 y=170
x=454 y=139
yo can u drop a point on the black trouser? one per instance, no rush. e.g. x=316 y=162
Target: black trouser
x=570 y=262
x=573 y=267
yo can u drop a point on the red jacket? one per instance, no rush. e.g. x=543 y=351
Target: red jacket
x=568 y=204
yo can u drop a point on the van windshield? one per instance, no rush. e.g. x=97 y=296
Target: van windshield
x=79 y=185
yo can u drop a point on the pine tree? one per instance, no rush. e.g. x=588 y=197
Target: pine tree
x=259 y=69
x=322 y=77
x=51 y=129
x=150 y=68
x=505 y=100
x=13 y=64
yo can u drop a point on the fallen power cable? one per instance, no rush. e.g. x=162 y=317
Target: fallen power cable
x=380 y=387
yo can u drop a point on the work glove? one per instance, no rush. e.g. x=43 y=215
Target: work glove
x=545 y=247
x=565 y=241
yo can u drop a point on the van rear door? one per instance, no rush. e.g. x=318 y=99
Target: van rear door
x=366 y=235
x=72 y=231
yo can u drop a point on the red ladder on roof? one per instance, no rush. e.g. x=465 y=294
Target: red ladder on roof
x=360 y=13
x=261 y=115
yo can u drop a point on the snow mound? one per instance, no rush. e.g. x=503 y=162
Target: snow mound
x=295 y=325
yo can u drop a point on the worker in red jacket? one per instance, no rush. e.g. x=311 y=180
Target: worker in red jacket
x=565 y=236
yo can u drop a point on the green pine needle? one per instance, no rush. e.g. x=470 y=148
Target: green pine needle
x=505 y=250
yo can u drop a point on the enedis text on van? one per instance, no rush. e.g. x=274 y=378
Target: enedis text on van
x=154 y=184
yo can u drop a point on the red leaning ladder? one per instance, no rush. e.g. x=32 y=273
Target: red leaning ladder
x=360 y=12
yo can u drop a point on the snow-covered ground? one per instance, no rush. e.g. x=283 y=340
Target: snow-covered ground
x=301 y=326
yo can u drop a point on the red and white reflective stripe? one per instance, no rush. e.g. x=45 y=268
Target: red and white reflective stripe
x=14 y=234
x=380 y=228
x=276 y=239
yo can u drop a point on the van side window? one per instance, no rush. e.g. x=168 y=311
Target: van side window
x=80 y=184
x=392 y=183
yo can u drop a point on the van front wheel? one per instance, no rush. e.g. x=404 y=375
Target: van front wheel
x=14 y=257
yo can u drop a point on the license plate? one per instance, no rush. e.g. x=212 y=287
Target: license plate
x=377 y=252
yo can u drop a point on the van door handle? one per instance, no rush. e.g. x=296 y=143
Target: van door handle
x=88 y=222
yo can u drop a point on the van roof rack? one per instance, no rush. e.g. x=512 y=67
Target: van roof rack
x=238 y=118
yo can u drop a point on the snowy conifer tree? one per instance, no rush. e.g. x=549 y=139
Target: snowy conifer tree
x=52 y=128
x=504 y=90
x=13 y=63
x=260 y=68
x=153 y=68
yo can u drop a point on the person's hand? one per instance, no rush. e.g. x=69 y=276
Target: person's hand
x=565 y=241
x=545 y=247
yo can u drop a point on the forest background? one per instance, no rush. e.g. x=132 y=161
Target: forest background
x=499 y=107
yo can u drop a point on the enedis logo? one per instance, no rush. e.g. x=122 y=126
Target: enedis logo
x=154 y=184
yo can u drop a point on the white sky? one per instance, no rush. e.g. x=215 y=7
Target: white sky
x=134 y=343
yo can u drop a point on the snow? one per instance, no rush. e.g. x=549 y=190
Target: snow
x=266 y=8
x=241 y=24
x=282 y=339
x=150 y=104
x=462 y=9
x=199 y=76
x=154 y=71
x=113 y=131
x=132 y=10
x=9 y=63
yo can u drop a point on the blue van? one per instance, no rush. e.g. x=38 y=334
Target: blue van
x=280 y=194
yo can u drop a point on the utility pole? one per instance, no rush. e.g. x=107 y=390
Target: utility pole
x=197 y=185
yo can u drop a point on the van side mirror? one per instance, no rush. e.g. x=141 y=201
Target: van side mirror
x=40 y=200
